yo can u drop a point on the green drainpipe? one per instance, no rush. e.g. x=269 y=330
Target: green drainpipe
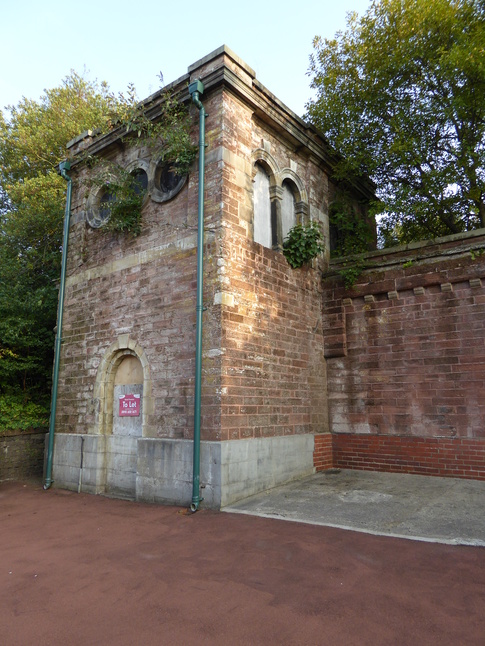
x=195 y=89
x=63 y=167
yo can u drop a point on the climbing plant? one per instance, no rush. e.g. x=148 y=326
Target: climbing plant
x=122 y=198
x=303 y=243
x=349 y=232
x=350 y=235
x=167 y=136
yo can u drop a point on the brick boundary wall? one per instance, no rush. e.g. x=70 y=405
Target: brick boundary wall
x=22 y=455
x=458 y=458
x=405 y=355
x=322 y=453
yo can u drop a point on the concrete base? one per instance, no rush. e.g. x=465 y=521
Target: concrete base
x=442 y=510
x=160 y=470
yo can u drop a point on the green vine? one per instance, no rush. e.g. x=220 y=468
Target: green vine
x=169 y=132
x=124 y=199
x=351 y=274
x=303 y=243
x=168 y=136
x=350 y=234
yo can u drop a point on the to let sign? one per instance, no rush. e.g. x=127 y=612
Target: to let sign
x=129 y=406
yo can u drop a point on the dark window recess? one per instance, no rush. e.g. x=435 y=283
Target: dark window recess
x=104 y=204
x=140 y=183
x=169 y=179
x=336 y=237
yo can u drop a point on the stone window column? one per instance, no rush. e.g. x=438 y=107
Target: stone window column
x=301 y=211
x=276 y=198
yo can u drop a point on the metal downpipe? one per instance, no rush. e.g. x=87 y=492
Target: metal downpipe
x=195 y=90
x=63 y=167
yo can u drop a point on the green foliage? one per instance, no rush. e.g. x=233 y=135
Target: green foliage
x=350 y=273
x=476 y=253
x=169 y=133
x=168 y=136
x=19 y=413
x=401 y=95
x=125 y=208
x=350 y=234
x=303 y=243
x=33 y=138
x=126 y=200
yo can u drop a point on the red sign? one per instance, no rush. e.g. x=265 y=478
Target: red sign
x=129 y=406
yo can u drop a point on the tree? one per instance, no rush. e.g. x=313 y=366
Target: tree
x=33 y=140
x=401 y=96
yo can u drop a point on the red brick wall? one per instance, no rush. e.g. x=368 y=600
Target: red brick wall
x=144 y=287
x=457 y=458
x=322 y=455
x=405 y=352
x=263 y=368
x=273 y=369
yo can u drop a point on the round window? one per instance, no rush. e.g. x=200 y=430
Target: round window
x=140 y=180
x=168 y=182
x=99 y=211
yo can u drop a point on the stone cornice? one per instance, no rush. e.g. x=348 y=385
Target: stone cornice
x=215 y=73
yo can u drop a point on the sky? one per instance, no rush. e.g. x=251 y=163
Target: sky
x=125 y=42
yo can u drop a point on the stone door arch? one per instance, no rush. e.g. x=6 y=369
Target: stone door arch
x=123 y=391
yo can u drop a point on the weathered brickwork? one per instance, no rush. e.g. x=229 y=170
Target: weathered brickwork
x=405 y=352
x=264 y=371
x=298 y=373
x=22 y=455
x=456 y=458
x=273 y=370
x=143 y=287
x=323 y=452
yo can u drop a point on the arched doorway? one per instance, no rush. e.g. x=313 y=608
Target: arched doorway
x=126 y=426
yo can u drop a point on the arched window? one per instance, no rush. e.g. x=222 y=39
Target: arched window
x=262 y=207
x=288 y=208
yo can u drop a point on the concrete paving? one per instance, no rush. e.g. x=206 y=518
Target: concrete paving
x=441 y=510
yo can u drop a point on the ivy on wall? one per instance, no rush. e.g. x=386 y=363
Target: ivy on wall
x=303 y=243
x=167 y=137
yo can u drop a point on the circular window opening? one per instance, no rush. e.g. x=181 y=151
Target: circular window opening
x=168 y=178
x=140 y=181
x=168 y=182
x=99 y=207
x=107 y=199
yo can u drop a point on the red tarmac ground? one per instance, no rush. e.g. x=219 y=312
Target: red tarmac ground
x=80 y=569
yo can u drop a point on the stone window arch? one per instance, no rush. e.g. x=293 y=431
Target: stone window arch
x=294 y=183
x=279 y=200
x=262 y=232
x=288 y=207
x=157 y=179
x=97 y=208
x=166 y=181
